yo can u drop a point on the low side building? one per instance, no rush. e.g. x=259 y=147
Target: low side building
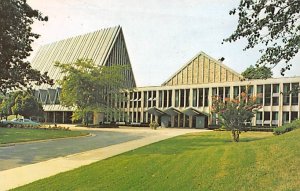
x=183 y=100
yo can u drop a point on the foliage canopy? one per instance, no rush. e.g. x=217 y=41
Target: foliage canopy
x=273 y=24
x=236 y=113
x=261 y=72
x=90 y=88
x=21 y=103
x=16 y=36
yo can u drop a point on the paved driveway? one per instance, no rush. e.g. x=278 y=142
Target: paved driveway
x=29 y=153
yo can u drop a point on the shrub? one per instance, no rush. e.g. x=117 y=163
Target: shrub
x=279 y=130
x=154 y=125
x=287 y=127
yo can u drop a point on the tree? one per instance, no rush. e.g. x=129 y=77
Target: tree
x=262 y=72
x=30 y=106
x=235 y=114
x=21 y=103
x=273 y=24
x=17 y=107
x=90 y=88
x=8 y=102
x=16 y=36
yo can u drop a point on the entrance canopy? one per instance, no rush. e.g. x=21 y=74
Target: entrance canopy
x=155 y=111
x=172 y=111
x=192 y=112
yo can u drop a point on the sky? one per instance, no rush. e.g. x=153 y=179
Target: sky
x=161 y=35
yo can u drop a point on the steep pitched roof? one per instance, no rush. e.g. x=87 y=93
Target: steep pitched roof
x=203 y=69
x=96 y=45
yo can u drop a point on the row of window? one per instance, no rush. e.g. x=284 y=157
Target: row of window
x=267 y=95
x=262 y=118
x=271 y=118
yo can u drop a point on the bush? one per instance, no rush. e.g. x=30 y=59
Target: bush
x=154 y=125
x=279 y=130
x=287 y=127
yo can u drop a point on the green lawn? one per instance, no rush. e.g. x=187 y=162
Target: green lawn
x=206 y=161
x=14 y=135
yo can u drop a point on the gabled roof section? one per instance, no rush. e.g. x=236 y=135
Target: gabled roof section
x=203 y=69
x=96 y=45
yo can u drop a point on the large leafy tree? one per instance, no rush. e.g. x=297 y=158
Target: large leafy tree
x=261 y=72
x=21 y=103
x=90 y=88
x=273 y=24
x=236 y=113
x=8 y=102
x=16 y=36
x=27 y=105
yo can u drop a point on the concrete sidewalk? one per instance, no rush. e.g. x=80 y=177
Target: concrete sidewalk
x=16 y=177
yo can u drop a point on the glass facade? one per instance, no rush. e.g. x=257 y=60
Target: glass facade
x=270 y=94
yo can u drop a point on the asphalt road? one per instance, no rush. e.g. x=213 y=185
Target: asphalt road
x=29 y=153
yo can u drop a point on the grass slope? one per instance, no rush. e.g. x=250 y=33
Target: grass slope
x=206 y=161
x=14 y=135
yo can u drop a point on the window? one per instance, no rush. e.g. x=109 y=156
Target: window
x=267 y=118
x=149 y=98
x=206 y=97
x=227 y=92
x=259 y=118
x=250 y=91
x=268 y=94
x=285 y=117
x=200 y=97
x=135 y=99
x=134 y=116
x=243 y=89
x=160 y=99
x=275 y=95
x=130 y=116
x=221 y=93
x=57 y=101
x=294 y=115
x=154 y=99
x=144 y=117
x=187 y=97
x=165 y=94
x=195 y=97
x=274 y=118
x=145 y=99
x=170 y=98
x=138 y=117
x=181 y=98
x=286 y=94
x=126 y=100
x=295 y=87
x=176 y=98
x=139 y=98
x=236 y=92
x=259 y=94
x=131 y=99
x=149 y=118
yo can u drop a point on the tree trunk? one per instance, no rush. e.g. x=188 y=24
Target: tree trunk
x=236 y=135
x=86 y=119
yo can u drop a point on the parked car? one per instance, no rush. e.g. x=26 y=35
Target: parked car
x=20 y=123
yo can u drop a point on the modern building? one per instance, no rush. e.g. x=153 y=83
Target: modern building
x=183 y=100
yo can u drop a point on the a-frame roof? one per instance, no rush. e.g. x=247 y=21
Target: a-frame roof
x=96 y=45
x=203 y=69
